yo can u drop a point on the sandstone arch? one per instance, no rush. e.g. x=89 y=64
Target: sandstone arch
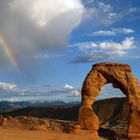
x=121 y=77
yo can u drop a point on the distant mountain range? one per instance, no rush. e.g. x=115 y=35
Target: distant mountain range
x=14 y=105
x=106 y=110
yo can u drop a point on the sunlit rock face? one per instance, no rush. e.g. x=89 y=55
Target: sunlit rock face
x=121 y=77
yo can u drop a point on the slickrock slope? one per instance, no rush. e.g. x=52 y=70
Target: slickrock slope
x=29 y=128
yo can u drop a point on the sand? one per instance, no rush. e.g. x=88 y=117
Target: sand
x=20 y=134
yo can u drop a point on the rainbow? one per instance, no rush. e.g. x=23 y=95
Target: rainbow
x=8 y=51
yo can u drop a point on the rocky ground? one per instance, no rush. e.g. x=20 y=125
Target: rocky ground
x=29 y=128
x=17 y=134
x=113 y=115
x=51 y=128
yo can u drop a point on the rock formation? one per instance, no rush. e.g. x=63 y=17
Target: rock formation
x=121 y=77
x=3 y=121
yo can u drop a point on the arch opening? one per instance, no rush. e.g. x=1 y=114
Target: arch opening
x=108 y=91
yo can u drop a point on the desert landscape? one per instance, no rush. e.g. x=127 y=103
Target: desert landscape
x=69 y=70
x=57 y=122
x=112 y=119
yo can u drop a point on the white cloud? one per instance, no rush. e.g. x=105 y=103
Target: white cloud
x=10 y=92
x=102 y=50
x=33 y=25
x=134 y=9
x=41 y=12
x=7 y=86
x=71 y=90
x=102 y=33
x=128 y=43
x=101 y=13
x=113 y=32
x=68 y=87
x=74 y=93
x=123 y=30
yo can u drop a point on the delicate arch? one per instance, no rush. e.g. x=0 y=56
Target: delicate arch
x=121 y=77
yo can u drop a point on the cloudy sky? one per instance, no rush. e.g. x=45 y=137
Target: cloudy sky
x=48 y=46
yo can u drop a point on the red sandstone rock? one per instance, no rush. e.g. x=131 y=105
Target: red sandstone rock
x=87 y=118
x=39 y=128
x=121 y=77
